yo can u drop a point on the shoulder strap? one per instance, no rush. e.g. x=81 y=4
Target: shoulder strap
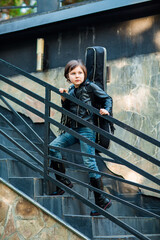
x=88 y=85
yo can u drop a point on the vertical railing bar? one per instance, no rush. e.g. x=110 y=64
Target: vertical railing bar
x=46 y=136
x=22 y=120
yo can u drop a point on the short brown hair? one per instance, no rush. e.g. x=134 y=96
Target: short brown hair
x=73 y=64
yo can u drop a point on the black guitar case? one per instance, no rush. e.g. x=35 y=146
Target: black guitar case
x=95 y=60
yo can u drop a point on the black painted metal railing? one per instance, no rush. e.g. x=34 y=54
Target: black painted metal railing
x=46 y=171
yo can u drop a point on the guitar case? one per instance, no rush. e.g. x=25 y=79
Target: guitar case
x=95 y=61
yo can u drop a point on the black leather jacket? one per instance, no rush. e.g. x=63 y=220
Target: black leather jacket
x=89 y=93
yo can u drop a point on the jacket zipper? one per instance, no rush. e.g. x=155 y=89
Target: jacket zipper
x=77 y=115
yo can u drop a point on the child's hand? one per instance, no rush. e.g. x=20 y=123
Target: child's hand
x=62 y=90
x=103 y=111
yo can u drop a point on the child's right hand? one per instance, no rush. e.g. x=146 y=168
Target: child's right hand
x=62 y=90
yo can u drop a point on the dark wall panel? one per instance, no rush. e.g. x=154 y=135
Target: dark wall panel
x=69 y=40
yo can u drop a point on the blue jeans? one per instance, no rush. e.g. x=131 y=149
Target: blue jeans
x=66 y=140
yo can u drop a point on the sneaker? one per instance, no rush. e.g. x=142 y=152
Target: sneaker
x=61 y=191
x=58 y=192
x=95 y=213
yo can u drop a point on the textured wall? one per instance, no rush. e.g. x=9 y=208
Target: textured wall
x=135 y=88
x=20 y=219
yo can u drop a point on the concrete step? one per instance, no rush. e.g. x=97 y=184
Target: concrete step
x=20 y=153
x=14 y=134
x=14 y=168
x=76 y=207
x=73 y=206
x=81 y=223
x=127 y=237
x=29 y=185
x=97 y=227
x=60 y=202
x=18 y=169
x=4 y=124
x=145 y=225
x=84 y=176
x=21 y=141
x=4 y=169
x=53 y=204
x=78 y=174
x=10 y=131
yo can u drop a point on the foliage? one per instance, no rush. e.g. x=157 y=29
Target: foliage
x=17 y=11
x=10 y=13
x=67 y=2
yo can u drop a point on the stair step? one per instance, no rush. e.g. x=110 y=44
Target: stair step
x=10 y=131
x=29 y=185
x=21 y=141
x=18 y=169
x=4 y=124
x=145 y=225
x=78 y=174
x=4 y=172
x=13 y=168
x=22 y=154
x=53 y=204
x=81 y=223
x=51 y=201
x=75 y=206
x=104 y=227
x=14 y=134
x=127 y=237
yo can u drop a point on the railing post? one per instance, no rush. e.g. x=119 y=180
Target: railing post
x=46 y=137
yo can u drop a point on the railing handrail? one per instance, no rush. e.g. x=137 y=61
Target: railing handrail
x=77 y=101
x=100 y=148
x=96 y=146
x=22 y=120
x=102 y=173
x=21 y=134
x=21 y=148
x=80 y=120
x=48 y=120
x=83 y=199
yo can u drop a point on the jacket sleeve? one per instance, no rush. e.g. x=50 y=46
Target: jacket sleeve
x=103 y=99
x=66 y=102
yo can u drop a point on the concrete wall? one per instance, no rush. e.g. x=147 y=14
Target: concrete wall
x=21 y=219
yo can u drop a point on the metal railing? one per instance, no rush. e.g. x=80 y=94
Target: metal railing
x=43 y=167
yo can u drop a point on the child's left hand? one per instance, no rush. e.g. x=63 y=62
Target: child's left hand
x=103 y=111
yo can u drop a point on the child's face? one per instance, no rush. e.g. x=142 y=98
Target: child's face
x=76 y=76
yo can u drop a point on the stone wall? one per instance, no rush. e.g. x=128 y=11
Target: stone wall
x=135 y=88
x=20 y=219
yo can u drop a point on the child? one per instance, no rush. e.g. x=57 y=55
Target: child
x=76 y=73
